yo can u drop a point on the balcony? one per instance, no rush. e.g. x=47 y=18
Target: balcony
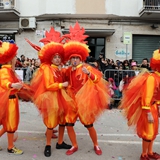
x=150 y=10
x=8 y=10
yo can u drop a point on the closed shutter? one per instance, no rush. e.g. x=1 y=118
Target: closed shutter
x=143 y=46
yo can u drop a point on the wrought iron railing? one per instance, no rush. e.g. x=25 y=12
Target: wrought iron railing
x=151 y=4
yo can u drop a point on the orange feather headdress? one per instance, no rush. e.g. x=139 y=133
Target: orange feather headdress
x=155 y=60
x=75 y=44
x=52 y=46
x=7 y=51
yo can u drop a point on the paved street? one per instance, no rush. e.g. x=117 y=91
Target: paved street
x=117 y=141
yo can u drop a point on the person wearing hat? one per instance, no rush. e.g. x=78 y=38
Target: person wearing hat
x=10 y=85
x=134 y=67
x=50 y=96
x=86 y=87
x=141 y=104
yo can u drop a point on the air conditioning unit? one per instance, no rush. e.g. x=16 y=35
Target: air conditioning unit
x=27 y=22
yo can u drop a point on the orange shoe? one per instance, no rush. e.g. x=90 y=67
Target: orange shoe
x=154 y=155
x=97 y=150
x=72 y=150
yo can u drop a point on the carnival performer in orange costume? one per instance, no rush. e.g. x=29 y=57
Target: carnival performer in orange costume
x=10 y=85
x=141 y=104
x=86 y=87
x=50 y=96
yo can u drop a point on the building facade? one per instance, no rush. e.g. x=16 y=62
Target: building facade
x=121 y=29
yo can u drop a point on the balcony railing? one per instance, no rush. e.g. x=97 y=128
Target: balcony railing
x=150 y=9
x=151 y=4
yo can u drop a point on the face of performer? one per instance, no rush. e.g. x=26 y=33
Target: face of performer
x=56 y=60
x=75 y=61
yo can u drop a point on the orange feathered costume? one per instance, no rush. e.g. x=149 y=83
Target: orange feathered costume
x=91 y=93
x=9 y=106
x=50 y=97
x=143 y=96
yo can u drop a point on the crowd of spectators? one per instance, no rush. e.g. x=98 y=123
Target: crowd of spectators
x=118 y=69
x=28 y=66
x=103 y=63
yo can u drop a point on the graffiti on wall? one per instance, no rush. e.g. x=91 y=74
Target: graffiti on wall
x=121 y=53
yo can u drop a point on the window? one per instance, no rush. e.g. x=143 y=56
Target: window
x=7 y=37
x=96 y=45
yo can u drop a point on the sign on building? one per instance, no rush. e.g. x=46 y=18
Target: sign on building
x=127 y=38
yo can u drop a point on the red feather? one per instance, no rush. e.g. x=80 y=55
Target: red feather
x=33 y=45
x=76 y=34
x=52 y=36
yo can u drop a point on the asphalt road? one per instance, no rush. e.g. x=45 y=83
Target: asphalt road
x=117 y=141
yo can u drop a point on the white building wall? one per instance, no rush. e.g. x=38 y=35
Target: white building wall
x=123 y=7
x=113 y=7
x=31 y=7
x=60 y=6
x=40 y=7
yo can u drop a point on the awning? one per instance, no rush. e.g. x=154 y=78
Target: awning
x=95 y=32
x=8 y=30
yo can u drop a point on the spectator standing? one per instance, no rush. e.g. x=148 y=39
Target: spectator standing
x=100 y=59
x=134 y=68
x=22 y=58
x=28 y=73
x=18 y=63
x=145 y=64
x=126 y=65
x=37 y=64
x=94 y=63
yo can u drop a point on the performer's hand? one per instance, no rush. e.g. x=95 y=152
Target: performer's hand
x=85 y=70
x=150 y=117
x=65 y=84
x=17 y=85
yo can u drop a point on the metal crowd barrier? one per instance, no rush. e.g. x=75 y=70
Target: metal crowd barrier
x=118 y=76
